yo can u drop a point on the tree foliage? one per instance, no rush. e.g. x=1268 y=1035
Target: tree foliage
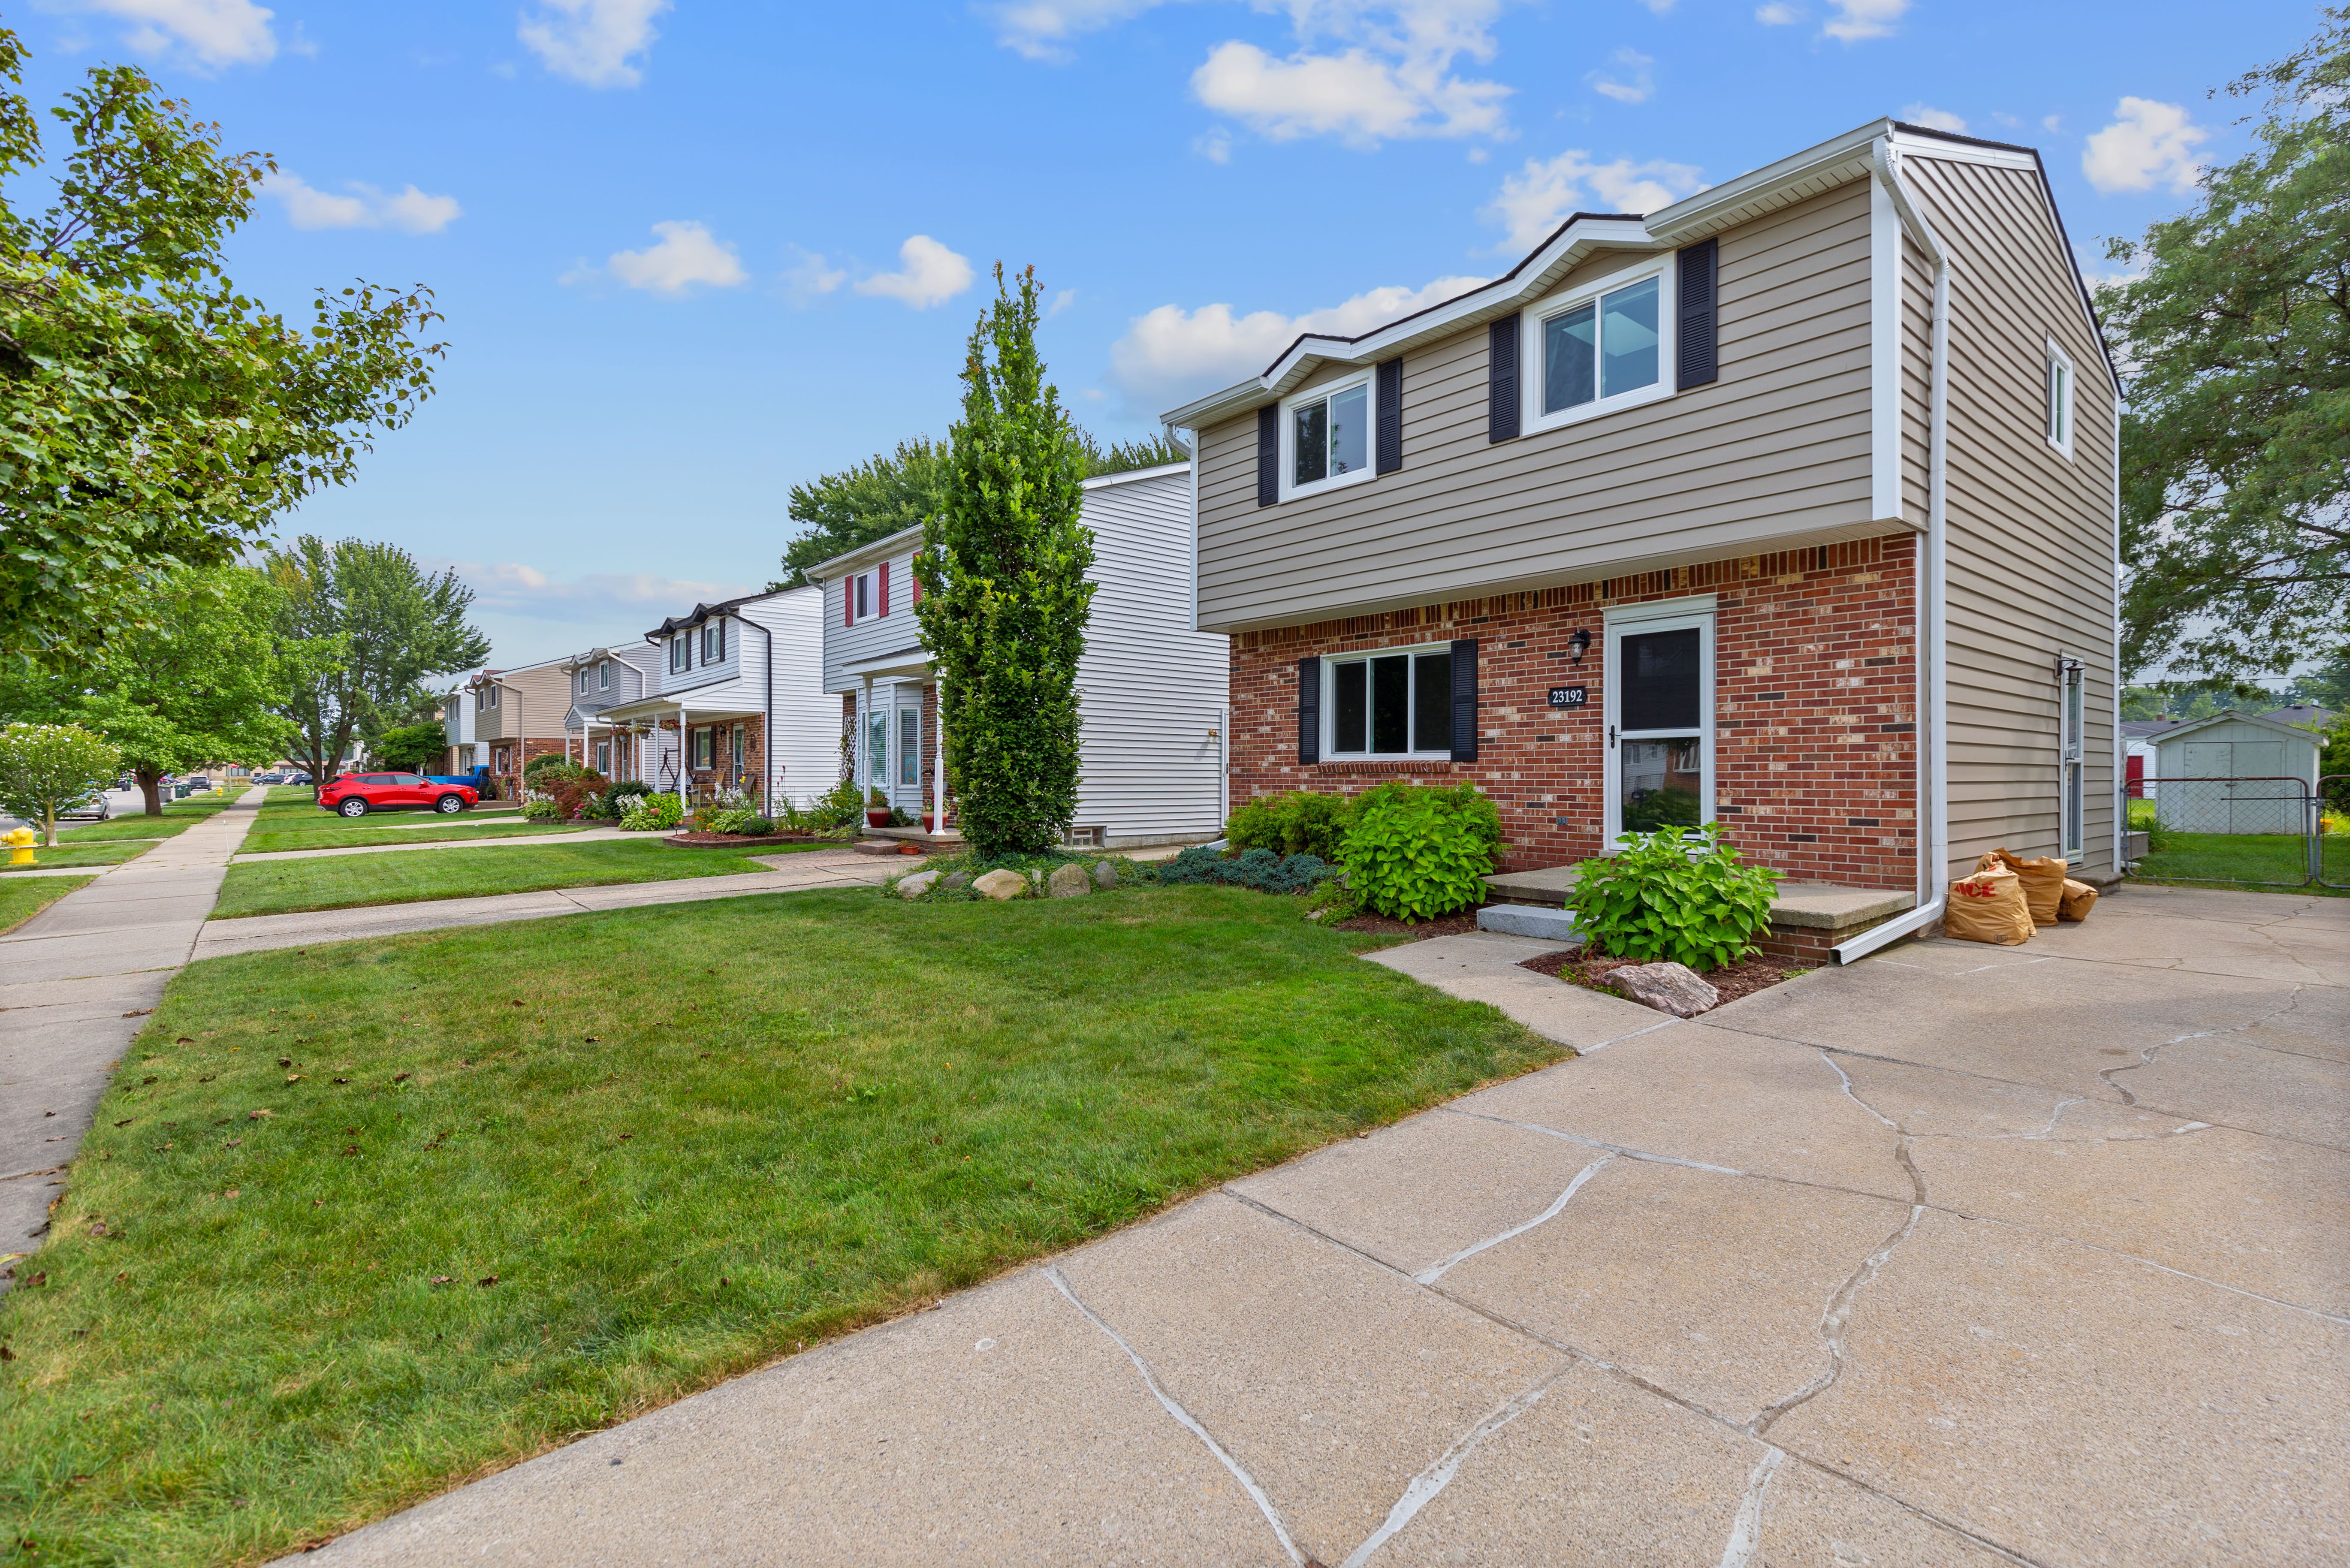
x=48 y=768
x=2236 y=340
x=362 y=624
x=1124 y=457
x=410 y=747
x=151 y=415
x=1005 y=598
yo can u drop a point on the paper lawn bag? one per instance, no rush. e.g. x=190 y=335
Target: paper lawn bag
x=2079 y=899
x=1988 y=907
x=2044 y=882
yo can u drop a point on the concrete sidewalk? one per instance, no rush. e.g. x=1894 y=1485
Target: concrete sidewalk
x=1959 y=1256
x=74 y=981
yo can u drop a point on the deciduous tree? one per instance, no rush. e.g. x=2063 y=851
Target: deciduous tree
x=1005 y=598
x=48 y=768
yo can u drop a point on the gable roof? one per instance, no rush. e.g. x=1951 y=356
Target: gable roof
x=1836 y=162
x=2302 y=713
x=2238 y=716
x=701 y=612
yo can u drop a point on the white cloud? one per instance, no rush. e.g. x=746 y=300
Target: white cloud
x=1354 y=95
x=1041 y=29
x=592 y=41
x=1171 y=355
x=211 y=32
x=409 y=211
x=621 y=599
x=1662 y=7
x=809 y=276
x=1216 y=147
x=1633 y=65
x=1061 y=301
x=931 y=274
x=2148 y=144
x=1933 y=118
x=1857 y=19
x=1534 y=200
x=684 y=255
x=1778 y=16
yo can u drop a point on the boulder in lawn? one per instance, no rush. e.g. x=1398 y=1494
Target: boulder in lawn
x=917 y=885
x=958 y=879
x=1104 y=873
x=1001 y=884
x=1672 y=988
x=1068 y=882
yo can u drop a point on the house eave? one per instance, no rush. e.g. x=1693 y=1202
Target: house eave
x=865 y=556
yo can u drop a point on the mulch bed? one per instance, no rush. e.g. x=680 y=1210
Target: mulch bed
x=1443 y=926
x=1572 y=966
x=733 y=840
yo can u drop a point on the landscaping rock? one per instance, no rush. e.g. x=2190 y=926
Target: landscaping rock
x=1001 y=884
x=1104 y=873
x=1671 y=988
x=1529 y=920
x=958 y=879
x=917 y=885
x=1068 y=882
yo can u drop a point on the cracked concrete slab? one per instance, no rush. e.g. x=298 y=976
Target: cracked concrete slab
x=1711 y=1287
x=1483 y=966
x=1334 y=1380
x=1809 y=1519
x=1722 y=1098
x=888 y=1446
x=1419 y=1192
x=2078 y=1407
x=2229 y=1080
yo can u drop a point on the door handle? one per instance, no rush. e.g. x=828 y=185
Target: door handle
x=1611 y=737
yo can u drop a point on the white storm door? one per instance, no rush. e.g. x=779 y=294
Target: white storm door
x=1658 y=759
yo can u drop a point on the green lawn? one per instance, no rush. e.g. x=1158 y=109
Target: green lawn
x=179 y=815
x=104 y=852
x=2242 y=858
x=343 y=881
x=333 y=834
x=25 y=897
x=682 y=1141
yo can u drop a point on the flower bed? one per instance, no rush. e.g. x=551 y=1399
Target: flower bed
x=1589 y=971
x=696 y=839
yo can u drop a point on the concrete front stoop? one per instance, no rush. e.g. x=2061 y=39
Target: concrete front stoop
x=1807 y=918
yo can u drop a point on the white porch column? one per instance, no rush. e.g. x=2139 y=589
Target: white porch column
x=861 y=755
x=938 y=749
x=684 y=794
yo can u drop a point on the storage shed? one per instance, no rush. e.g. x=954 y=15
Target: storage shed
x=2269 y=769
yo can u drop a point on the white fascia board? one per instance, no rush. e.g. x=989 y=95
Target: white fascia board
x=866 y=556
x=1719 y=206
x=1132 y=475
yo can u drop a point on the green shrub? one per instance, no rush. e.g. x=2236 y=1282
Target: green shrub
x=624 y=790
x=841 y=806
x=548 y=765
x=1302 y=822
x=1414 y=854
x=1678 y=895
x=652 y=814
x=1333 y=901
x=540 y=809
x=1259 y=868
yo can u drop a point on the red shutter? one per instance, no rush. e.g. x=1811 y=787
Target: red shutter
x=848 y=601
x=882 y=592
x=917 y=578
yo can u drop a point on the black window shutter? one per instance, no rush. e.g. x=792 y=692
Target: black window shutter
x=1268 y=456
x=1309 y=710
x=1701 y=363
x=1391 y=419
x=1464 y=699
x=1501 y=406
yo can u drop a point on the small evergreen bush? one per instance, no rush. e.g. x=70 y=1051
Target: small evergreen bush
x=1261 y=869
x=1678 y=895
x=1415 y=853
x=1301 y=822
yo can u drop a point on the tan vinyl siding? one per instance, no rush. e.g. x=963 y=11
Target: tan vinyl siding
x=1777 y=449
x=2030 y=544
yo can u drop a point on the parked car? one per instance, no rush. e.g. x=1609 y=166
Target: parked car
x=270 y=779
x=356 y=794
x=298 y=778
x=199 y=785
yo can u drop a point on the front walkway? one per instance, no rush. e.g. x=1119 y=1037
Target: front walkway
x=1961 y=1255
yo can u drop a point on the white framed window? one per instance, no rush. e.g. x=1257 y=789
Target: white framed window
x=860 y=596
x=1660 y=714
x=681 y=654
x=2060 y=399
x=909 y=748
x=704 y=747
x=714 y=642
x=2071 y=753
x=490 y=694
x=604 y=676
x=1325 y=437
x=1603 y=346
x=603 y=758
x=1394 y=702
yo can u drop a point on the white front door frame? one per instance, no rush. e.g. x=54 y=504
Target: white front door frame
x=1696 y=611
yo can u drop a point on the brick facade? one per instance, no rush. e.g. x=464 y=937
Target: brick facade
x=1815 y=708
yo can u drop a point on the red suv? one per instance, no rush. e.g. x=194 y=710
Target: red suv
x=356 y=794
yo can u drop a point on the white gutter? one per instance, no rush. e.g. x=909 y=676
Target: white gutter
x=1892 y=930
x=2121 y=746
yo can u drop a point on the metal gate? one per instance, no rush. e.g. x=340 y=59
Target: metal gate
x=2253 y=832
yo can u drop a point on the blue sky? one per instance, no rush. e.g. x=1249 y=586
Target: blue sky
x=693 y=252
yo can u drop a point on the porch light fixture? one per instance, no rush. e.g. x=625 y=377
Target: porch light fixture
x=1580 y=642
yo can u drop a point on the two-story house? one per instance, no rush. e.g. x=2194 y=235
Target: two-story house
x=603 y=679
x=1151 y=688
x=457 y=728
x=517 y=715
x=1792 y=506
x=736 y=685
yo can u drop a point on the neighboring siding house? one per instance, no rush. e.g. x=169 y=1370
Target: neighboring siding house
x=457 y=727
x=519 y=715
x=1151 y=689
x=1791 y=506
x=738 y=683
x=601 y=680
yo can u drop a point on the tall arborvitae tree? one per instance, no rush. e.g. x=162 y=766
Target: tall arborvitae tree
x=1005 y=597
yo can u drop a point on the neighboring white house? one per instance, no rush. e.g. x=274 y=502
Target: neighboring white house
x=2269 y=771
x=1152 y=691
x=457 y=728
x=739 y=683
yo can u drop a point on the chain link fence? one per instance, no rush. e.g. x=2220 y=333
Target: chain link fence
x=2251 y=832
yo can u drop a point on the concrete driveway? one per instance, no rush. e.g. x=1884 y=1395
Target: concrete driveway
x=1961 y=1255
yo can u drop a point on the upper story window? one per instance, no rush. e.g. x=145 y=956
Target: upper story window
x=2060 y=399
x=1390 y=704
x=713 y=641
x=489 y=695
x=604 y=676
x=681 y=654
x=1327 y=436
x=1599 y=349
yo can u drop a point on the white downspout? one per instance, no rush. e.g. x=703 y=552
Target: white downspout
x=1933 y=737
x=684 y=777
x=2121 y=747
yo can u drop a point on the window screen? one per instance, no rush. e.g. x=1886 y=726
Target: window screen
x=1431 y=704
x=1354 y=707
x=1660 y=680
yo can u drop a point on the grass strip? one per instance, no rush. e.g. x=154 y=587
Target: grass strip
x=449 y=830
x=177 y=817
x=105 y=852
x=348 y=881
x=379 y=1215
x=25 y=897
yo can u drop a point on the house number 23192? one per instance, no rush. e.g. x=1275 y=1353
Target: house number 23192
x=1569 y=696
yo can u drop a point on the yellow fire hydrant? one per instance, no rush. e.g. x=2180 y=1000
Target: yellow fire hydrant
x=20 y=841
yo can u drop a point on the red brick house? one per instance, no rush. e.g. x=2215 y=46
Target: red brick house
x=1790 y=506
